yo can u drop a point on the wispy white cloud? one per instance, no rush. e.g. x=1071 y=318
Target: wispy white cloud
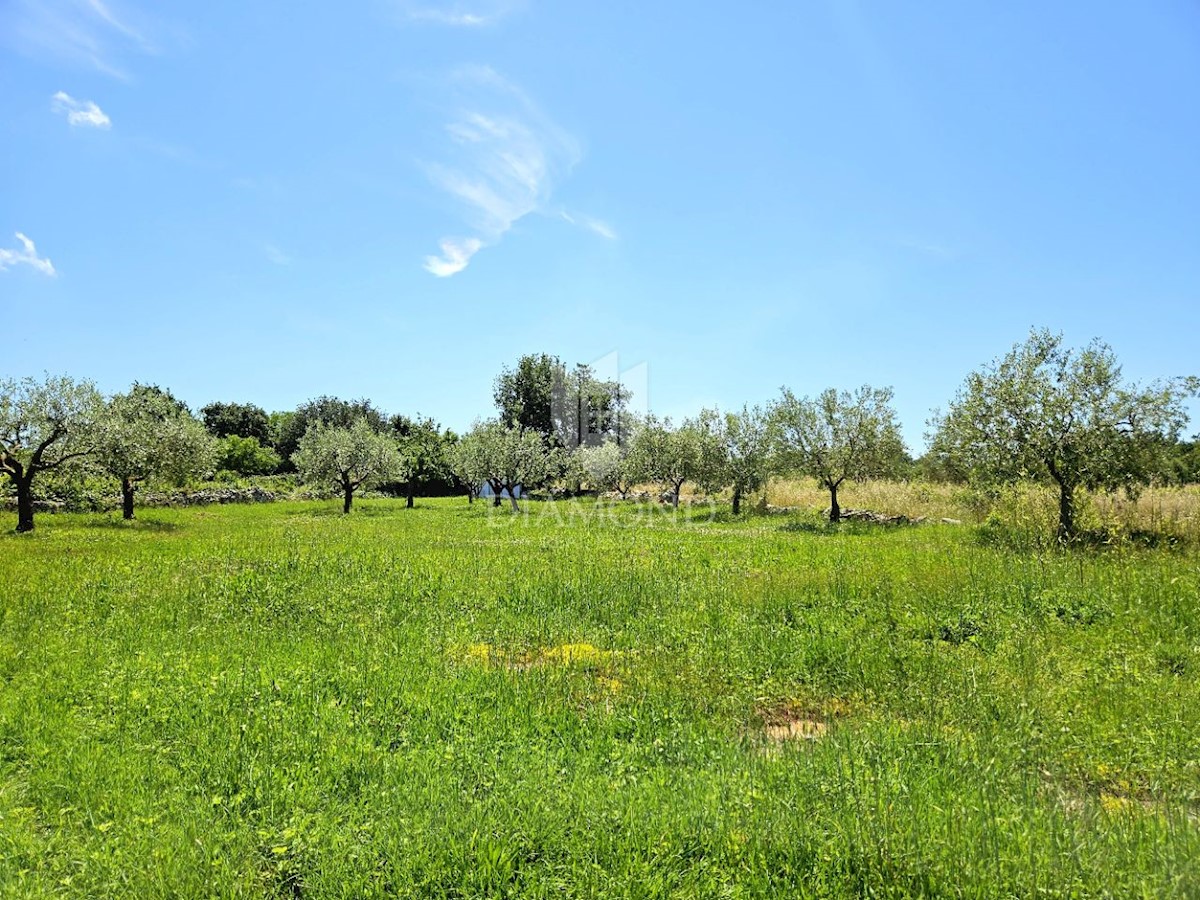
x=80 y=112
x=460 y=15
x=83 y=33
x=505 y=158
x=456 y=254
x=27 y=255
x=594 y=225
x=105 y=15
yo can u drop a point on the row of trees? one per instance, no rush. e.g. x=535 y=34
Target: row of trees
x=1042 y=411
x=61 y=426
x=833 y=437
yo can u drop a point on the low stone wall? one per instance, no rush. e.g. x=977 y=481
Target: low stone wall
x=108 y=502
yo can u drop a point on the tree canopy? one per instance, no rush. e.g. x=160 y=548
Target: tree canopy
x=667 y=455
x=243 y=420
x=838 y=436
x=1046 y=411
x=425 y=448
x=508 y=458
x=524 y=395
x=569 y=408
x=146 y=433
x=748 y=436
x=348 y=457
x=44 y=425
x=326 y=411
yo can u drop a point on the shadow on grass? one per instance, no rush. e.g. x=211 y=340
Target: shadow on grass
x=134 y=524
x=825 y=528
x=1020 y=539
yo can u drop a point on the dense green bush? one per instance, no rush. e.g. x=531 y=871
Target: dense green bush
x=246 y=456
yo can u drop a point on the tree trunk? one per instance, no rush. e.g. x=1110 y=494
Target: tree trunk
x=512 y=497
x=675 y=495
x=737 y=501
x=411 y=490
x=347 y=498
x=835 y=511
x=470 y=495
x=1066 y=512
x=127 y=489
x=24 y=503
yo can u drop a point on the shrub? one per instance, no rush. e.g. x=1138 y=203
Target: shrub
x=246 y=456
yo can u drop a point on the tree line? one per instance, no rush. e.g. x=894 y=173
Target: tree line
x=1041 y=412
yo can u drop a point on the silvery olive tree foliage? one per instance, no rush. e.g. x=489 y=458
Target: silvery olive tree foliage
x=837 y=436
x=600 y=466
x=1048 y=412
x=466 y=462
x=44 y=425
x=667 y=455
x=507 y=457
x=706 y=432
x=348 y=457
x=749 y=451
x=147 y=434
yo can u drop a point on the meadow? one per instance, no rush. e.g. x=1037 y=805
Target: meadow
x=594 y=700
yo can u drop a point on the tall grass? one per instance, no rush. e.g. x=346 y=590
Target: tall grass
x=1166 y=511
x=452 y=701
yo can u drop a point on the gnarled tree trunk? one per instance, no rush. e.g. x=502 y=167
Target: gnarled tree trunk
x=410 y=491
x=737 y=501
x=835 y=511
x=347 y=497
x=127 y=489
x=24 y=503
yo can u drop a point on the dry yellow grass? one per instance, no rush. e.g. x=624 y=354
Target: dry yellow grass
x=1173 y=511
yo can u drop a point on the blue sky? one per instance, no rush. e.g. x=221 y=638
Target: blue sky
x=269 y=201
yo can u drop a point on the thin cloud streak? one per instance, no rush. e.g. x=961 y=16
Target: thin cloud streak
x=595 y=226
x=83 y=113
x=459 y=15
x=505 y=159
x=80 y=33
x=27 y=255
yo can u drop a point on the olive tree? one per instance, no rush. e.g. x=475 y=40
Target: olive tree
x=146 y=433
x=706 y=434
x=508 y=457
x=600 y=465
x=748 y=437
x=666 y=455
x=289 y=428
x=838 y=436
x=466 y=463
x=348 y=457
x=44 y=425
x=1045 y=411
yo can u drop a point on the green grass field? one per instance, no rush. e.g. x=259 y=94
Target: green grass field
x=278 y=701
